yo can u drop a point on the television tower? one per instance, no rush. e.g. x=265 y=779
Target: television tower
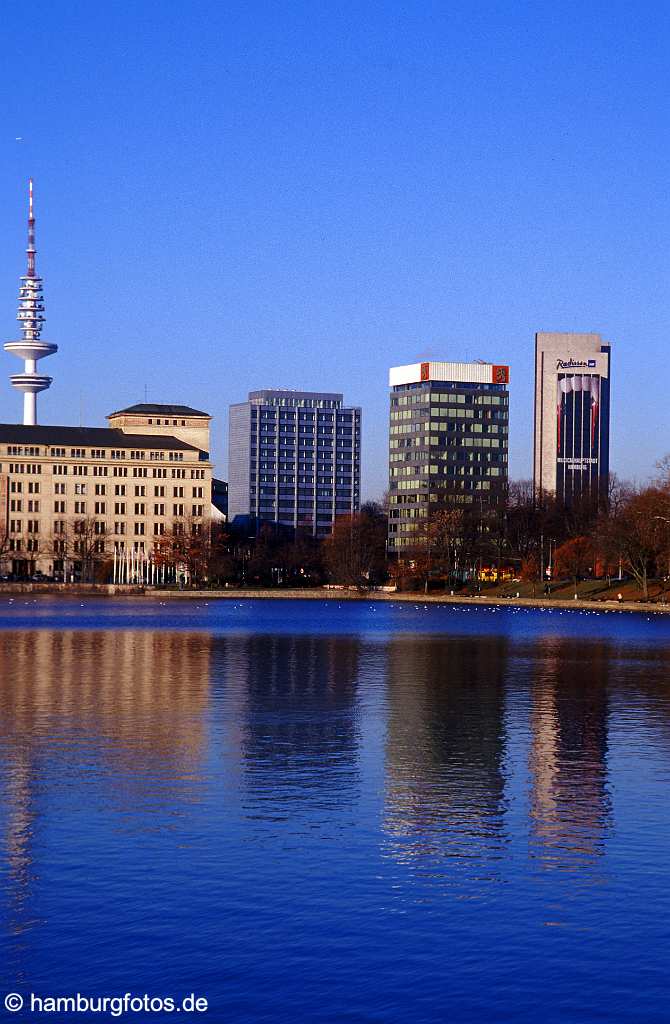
x=31 y=318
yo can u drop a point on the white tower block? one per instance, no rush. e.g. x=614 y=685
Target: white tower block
x=31 y=318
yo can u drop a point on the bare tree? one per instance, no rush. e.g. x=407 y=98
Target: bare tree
x=356 y=550
x=186 y=548
x=87 y=541
x=639 y=534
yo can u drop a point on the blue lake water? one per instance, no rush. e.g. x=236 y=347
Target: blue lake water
x=306 y=811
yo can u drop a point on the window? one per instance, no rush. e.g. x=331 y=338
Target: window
x=80 y=488
x=100 y=489
x=119 y=508
x=159 y=510
x=80 y=508
x=140 y=490
x=177 y=510
x=119 y=528
x=33 y=506
x=100 y=508
x=120 y=489
x=33 y=487
x=197 y=511
x=177 y=492
x=139 y=529
x=140 y=508
x=159 y=492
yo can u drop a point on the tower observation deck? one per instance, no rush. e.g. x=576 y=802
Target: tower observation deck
x=30 y=315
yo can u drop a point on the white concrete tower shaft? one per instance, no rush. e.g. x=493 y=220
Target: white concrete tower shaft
x=30 y=315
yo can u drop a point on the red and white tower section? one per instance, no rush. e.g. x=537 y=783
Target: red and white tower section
x=30 y=348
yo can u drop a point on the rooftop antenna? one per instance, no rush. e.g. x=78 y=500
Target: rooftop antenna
x=31 y=318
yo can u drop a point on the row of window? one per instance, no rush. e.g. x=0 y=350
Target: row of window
x=95 y=546
x=141 y=472
x=447 y=398
x=289 y=478
x=99 y=508
x=95 y=453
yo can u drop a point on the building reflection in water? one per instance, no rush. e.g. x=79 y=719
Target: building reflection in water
x=299 y=737
x=119 y=709
x=446 y=741
x=570 y=804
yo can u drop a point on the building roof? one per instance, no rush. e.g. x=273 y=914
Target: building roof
x=458 y=373
x=289 y=396
x=94 y=437
x=149 y=409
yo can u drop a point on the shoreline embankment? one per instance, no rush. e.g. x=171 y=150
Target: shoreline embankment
x=326 y=594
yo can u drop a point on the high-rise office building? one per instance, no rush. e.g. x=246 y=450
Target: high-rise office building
x=572 y=406
x=448 y=442
x=294 y=459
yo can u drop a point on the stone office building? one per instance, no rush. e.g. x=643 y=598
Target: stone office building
x=73 y=493
x=448 y=442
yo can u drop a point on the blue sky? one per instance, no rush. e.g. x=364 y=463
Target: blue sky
x=232 y=196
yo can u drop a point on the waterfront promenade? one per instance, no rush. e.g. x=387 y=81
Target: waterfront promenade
x=593 y=604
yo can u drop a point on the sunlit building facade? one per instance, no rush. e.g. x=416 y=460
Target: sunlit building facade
x=70 y=495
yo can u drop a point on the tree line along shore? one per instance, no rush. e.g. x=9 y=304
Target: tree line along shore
x=616 y=550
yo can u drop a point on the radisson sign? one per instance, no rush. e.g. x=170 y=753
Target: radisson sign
x=575 y=364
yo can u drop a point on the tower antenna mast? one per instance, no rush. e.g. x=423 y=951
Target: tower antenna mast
x=31 y=318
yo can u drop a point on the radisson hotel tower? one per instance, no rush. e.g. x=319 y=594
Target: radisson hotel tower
x=572 y=417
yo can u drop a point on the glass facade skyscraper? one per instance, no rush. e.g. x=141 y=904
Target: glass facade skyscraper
x=448 y=442
x=294 y=459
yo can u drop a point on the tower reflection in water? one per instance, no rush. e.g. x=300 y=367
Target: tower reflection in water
x=446 y=742
x=115 y=717
x=298 y=733
x=570 y=803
